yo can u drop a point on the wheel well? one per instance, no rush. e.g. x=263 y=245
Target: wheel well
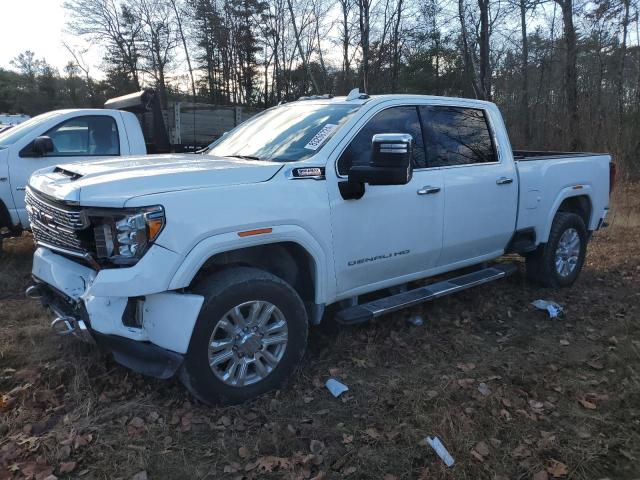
x=580 y=205
x=5 y=220
x=286 y=260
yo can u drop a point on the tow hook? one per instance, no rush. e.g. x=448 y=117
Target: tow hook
x=34 y=291
x=65 y=325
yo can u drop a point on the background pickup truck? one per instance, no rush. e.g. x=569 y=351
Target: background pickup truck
x=214 y=266
x=63 y=136
x=55 y=137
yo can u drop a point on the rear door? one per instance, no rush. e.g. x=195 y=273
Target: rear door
x=480 y=187
x=393 y=231
x=76 y=138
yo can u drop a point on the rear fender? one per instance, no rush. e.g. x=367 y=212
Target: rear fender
x=567 y=192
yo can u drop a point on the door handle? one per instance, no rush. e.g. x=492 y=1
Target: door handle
x=21 y=189
x=427 y=190
x=504 y=181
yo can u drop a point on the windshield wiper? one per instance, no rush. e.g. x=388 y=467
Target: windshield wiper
x=244 y=157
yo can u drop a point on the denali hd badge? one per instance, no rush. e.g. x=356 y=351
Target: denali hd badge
x=351 y=263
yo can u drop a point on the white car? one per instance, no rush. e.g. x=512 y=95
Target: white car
x=56 y=137
x=215 y=266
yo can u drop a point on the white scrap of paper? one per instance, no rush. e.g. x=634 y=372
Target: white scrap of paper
x=439 y=448
x=335 y=387
x=551 y=307
x=320 y=137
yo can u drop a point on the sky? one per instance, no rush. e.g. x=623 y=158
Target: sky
x=38 y=25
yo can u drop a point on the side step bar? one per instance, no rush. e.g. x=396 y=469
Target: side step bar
x=376 y=308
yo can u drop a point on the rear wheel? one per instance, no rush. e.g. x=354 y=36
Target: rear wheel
x=249 y=338
x=559 y=262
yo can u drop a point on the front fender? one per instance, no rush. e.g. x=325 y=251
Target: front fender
x=226 y=242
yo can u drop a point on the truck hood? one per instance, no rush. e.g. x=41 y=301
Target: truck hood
x=110 y=183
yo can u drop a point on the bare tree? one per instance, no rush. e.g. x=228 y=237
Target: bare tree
x=110 y=23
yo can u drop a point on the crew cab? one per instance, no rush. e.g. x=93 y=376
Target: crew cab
x=56 y=137
x=214 y=266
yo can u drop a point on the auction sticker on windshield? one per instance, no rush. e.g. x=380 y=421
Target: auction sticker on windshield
x=320 y=137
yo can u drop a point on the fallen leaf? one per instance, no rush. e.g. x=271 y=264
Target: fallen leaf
x=564 y=342
x=587 y=404
x=243 y=452
x=535 y=404
x=595 y=364
x=67 y=467
x=372 y=432
x=541 y=475
x=466 y=367
x=482 y=448
x=557 y=469
x=271 y=463
x=347 y=438
x=521 y=451
x=137 y=422
x=140 y=476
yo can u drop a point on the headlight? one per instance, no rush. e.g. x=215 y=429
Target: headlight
x=123 y=236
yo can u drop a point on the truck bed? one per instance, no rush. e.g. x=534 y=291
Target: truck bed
x=544 y=184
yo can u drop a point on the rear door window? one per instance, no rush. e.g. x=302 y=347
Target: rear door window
x=456 y=136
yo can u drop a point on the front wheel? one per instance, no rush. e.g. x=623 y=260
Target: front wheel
x=249 y=338
x=559 y=262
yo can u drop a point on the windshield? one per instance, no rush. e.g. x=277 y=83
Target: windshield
x=284 y=134
x=14 y=134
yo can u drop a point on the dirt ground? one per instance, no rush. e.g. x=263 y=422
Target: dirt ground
x=511 y=393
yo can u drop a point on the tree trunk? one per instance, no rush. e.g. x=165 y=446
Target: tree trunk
x=186 y=50
x=620 y=75
x=526 y=115
x=485 y=61
x=396 y=49
x=364 y=8
x=296 y=33
x=467 y=55
x=570 y=74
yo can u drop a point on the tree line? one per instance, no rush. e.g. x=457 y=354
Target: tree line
x=566 y=73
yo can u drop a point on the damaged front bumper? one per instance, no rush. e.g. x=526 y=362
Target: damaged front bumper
x=148 y=331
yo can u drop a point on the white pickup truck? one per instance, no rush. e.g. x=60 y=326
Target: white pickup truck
x=58 y=137
x=215 y=265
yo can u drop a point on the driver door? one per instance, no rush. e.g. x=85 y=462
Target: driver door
x=393 y=232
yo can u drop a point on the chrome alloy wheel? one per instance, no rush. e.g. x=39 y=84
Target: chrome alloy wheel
x=568 y=252
x=247 y=343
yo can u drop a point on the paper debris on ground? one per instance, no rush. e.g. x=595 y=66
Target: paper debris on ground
x=439 y=448
x=335 y=387
x=416 y=320
x=552 y=308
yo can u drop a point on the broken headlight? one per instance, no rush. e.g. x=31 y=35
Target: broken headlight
x=123 y=236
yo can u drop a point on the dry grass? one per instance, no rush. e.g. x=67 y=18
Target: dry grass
x=71 y=408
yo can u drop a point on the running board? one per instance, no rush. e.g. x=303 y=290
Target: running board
x=376 y=308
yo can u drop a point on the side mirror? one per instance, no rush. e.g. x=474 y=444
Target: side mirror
x=42 y=146
x=390 y=161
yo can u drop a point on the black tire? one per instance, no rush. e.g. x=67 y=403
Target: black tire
x=223 y=291
x=540 y=264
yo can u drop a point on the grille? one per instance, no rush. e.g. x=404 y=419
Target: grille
x=55 y=225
